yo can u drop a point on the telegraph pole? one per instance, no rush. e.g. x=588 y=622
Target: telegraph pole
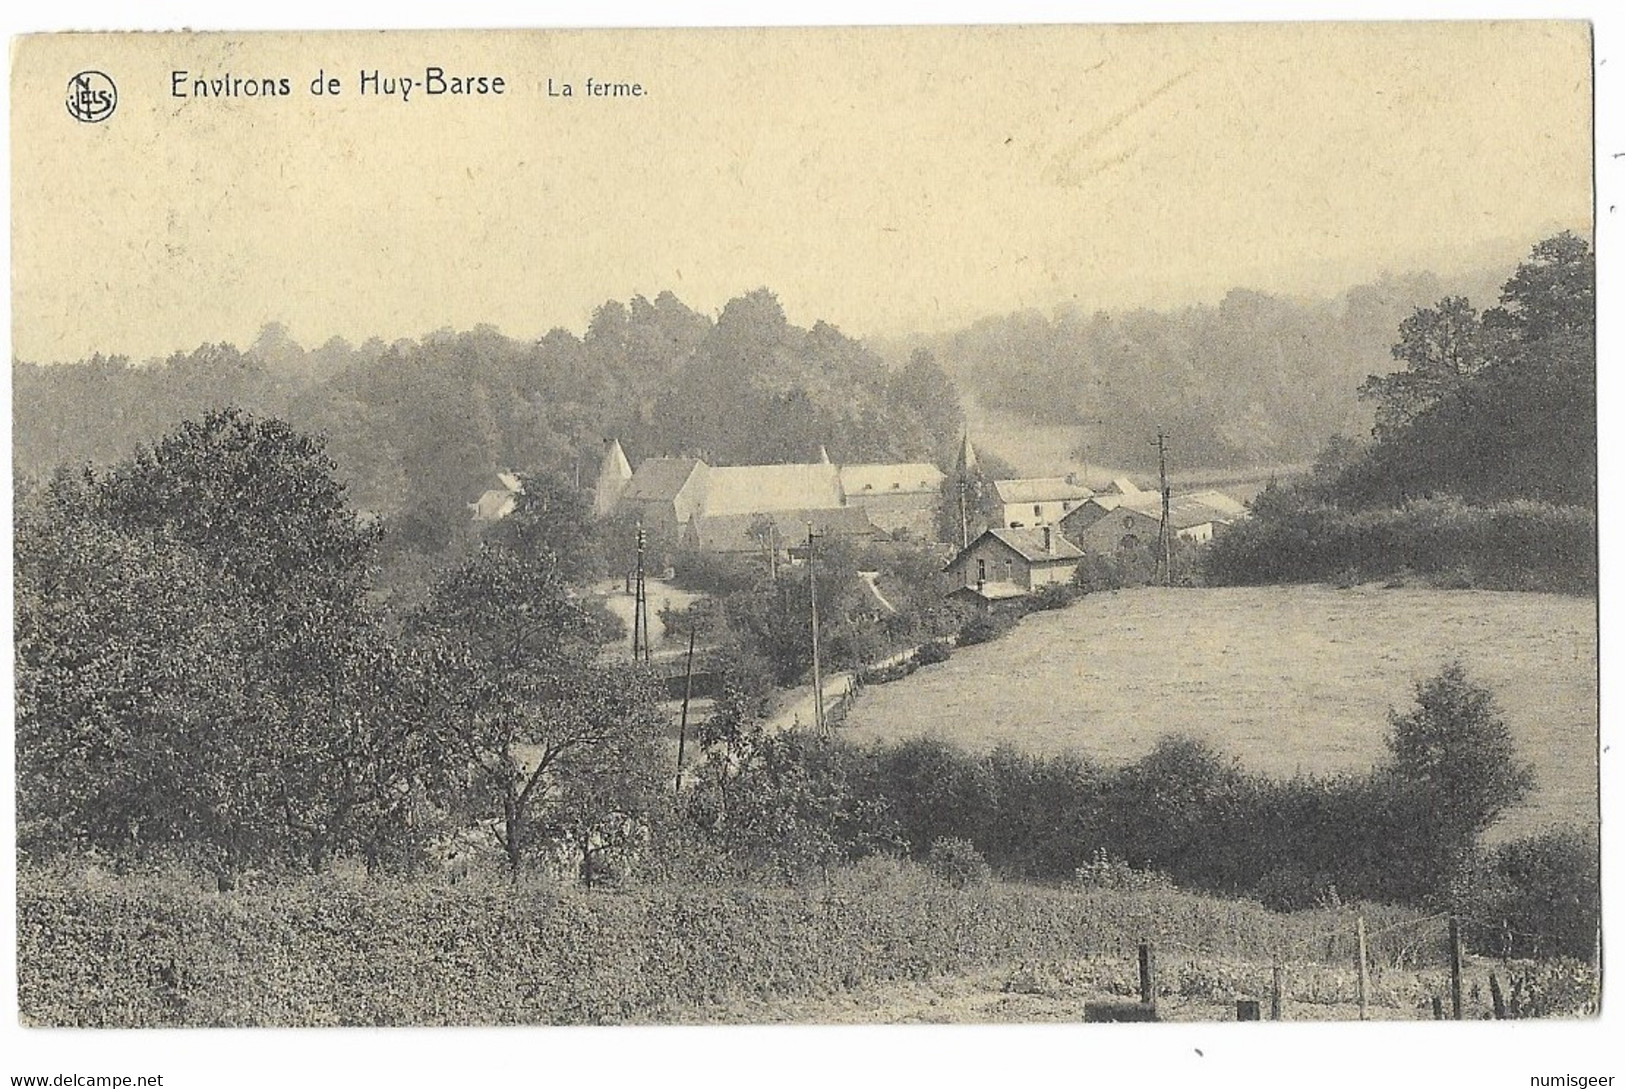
x=817 y=673
x=640 y=605
x=682 y=725
x=1165 y=540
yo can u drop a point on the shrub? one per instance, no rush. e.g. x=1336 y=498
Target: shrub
x=1534 y=897
x=932 y=653
x=983 y=628
x=1057 y=595
x=958 y=862
x=1103 y=871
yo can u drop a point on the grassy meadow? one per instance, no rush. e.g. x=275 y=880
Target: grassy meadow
x=1289 y=680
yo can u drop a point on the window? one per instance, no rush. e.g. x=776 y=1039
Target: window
x=1128 y=521
x=1066 y=504
x=981 y=570
x=1038 y=510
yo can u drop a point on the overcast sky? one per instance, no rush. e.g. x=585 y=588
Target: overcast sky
x=885 y=181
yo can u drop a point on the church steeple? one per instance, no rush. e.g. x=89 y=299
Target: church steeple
x=613 y=474
x=967 y=455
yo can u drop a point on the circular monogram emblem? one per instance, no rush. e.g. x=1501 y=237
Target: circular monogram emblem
x=91 y=97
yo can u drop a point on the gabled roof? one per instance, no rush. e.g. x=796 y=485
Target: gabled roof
x=1026 y=543
x=1122 y=485
x=1046 y=489
x=494 y=505
x=916 y=476
x=752 y=489
x=660 y=479
x=735 y=532
x=1184 y=511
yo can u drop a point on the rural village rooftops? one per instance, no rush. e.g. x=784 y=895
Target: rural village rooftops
x=746 y=489
x=740 y=532
x=1046 y=489
x=1027 y=543
x=862 y=480
x=660 y=478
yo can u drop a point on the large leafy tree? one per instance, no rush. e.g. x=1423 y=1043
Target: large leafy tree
x=196 y=664
x=552 y=746
x=1442 y=348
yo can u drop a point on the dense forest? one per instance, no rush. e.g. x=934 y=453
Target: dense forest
x=1482 y=467
x=418 y=427
x=1256 y=380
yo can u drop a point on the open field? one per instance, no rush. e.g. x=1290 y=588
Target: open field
x=1287 y=679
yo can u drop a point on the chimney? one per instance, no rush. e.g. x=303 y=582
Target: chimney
x=1048 y=544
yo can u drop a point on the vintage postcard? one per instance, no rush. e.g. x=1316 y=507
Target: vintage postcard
x=957 y=525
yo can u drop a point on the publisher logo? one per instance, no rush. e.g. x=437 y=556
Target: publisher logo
x=91 y=97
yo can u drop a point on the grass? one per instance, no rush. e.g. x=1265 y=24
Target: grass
x=1289 y=680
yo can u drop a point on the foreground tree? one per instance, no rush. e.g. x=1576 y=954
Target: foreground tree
x=550 y=743
x=196 y=665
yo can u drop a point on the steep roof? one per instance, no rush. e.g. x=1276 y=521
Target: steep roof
x=1028 y=543
x=613 y=474
x=493 y=506
x=733 y=532
x=660 y=479
x=1045 y=489
x=967 y=455
x=914 y=476
x=752 y=489
x=1122 y=485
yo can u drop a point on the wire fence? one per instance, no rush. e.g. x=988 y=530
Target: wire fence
x=1411 y=969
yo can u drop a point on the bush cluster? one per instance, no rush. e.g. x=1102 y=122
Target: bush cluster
x=1516 y=545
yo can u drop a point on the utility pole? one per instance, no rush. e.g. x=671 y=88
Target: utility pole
x=817 y=673
x=1165 y=537
x=640 y=605
x=682 y=723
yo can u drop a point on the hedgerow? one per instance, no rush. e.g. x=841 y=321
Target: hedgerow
x=96 y=950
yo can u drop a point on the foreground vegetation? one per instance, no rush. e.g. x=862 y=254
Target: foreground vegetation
x=342 y=949
x=1482 y=468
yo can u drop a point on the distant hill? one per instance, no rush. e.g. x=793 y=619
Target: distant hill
x=419 y=427
x=1257 y=380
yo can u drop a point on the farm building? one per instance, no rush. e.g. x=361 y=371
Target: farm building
x=664 y=493
x=679 y=494
x=895 y=497
x=1108 y=522
x=779 y=530
x=1003 y=562
x=497 y=503
x=1038 y=501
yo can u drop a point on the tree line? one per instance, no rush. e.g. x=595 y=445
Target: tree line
x=1256 y=379
x=417 y=428
x=1482 y=465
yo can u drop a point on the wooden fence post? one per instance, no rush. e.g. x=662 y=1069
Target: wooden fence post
x=1438 y=1008
x=1359 y=937
x=1496 y=1000
x=1148 y=973
x=1275 y=993
x=1455 y=968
